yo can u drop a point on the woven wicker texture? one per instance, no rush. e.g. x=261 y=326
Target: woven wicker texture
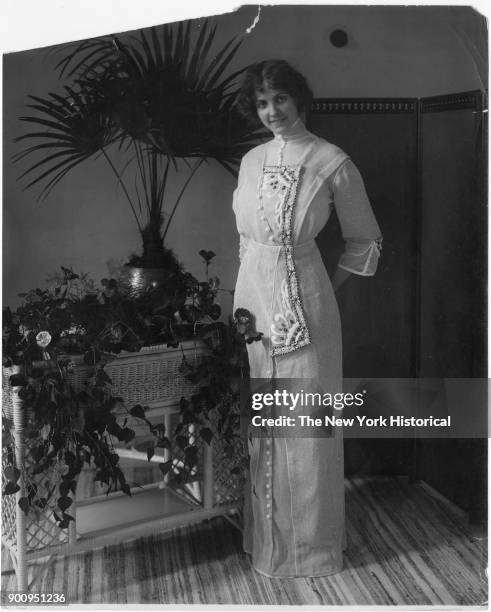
x=41 y=528
x=149 y=377
x=228 y=462
x=7 y=391
x=8 y=505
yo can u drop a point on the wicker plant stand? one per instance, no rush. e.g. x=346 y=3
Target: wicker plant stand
x=151 y=378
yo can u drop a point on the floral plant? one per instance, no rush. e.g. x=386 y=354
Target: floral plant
x=69 y=427
x=221 y=378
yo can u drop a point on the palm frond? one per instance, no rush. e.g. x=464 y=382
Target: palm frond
x=161 y=96
x=80 y=54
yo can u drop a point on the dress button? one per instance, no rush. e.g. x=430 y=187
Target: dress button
x=268 y=496
x=268 y=474
x=268 y=505
x=268 y=516
x=268 y=485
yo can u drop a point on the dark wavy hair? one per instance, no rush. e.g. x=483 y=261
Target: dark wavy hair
x=276 y=74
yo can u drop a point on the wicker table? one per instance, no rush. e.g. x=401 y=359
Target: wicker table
x=151 y=378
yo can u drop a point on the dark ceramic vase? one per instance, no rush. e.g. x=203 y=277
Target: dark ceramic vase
x=140 y=280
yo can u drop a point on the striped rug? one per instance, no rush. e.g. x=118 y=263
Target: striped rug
x=406 y=546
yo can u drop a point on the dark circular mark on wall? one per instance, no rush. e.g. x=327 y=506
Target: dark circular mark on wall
x=338 y=38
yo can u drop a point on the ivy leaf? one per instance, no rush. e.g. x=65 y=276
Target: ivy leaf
x=103 y=377
x=37 y=453
x=255 y=338
x=206 y=434
x=163 y=442
x=125 y=488
x=185 y=367
x=12 y=474
x=24 y=504
x=207 y=255
x=11 y=487
x=138 y=412
x=165 y=467
x=66 y=486
x=150 y=452
x=41 y=502
x=64 y=503
x=215 y=311
x=127 y=435
x=32 y=489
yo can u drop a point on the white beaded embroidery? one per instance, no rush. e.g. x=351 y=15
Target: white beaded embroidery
x=286 y=329
x=289 y=329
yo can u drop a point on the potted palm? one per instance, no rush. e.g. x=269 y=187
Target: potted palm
x=157 y=103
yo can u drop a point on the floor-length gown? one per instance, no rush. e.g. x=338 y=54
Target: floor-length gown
x=294 y=515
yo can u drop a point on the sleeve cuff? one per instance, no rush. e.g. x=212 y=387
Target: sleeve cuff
x=362 y=261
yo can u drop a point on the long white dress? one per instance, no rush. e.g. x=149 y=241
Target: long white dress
x=294 y=514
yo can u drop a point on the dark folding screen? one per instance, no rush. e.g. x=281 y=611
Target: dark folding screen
x=379 y=313
x=424 y=312
x=453 y=237
x=453 y=280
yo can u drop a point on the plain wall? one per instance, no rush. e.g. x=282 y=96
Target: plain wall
x=393 y=51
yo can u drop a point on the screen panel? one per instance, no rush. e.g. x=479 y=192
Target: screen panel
x=453 y=269
x=454 y=235
x=379 y=313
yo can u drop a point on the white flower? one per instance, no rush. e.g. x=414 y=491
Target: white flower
x=43 y=339
x=72 y=330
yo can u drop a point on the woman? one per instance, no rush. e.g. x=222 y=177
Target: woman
x=286 y=190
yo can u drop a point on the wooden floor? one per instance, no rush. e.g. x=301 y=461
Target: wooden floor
x=406 y=546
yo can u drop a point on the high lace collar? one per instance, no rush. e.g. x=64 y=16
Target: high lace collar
x=296 y=132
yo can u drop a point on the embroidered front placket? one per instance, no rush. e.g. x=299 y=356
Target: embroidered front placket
x=289 y=328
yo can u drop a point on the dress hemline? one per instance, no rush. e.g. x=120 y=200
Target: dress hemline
x=320 y=575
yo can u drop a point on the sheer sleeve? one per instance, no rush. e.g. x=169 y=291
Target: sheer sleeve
x=361 y=233
x=243 y=239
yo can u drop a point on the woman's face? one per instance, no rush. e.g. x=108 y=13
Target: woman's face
x=276 y=109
